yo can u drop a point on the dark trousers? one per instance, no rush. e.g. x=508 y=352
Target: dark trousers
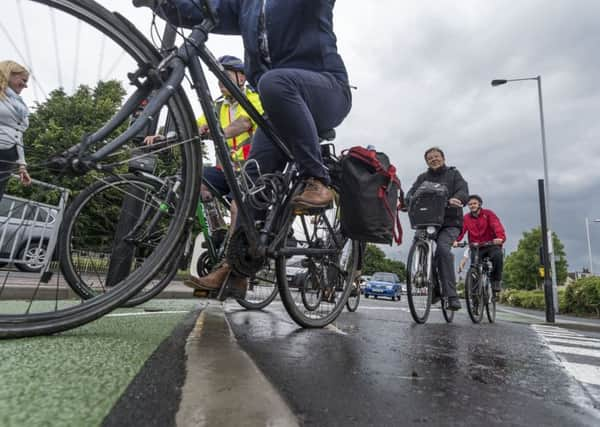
x=496 y=256
x=300 y=104
x=444 y=259
x=8 y=158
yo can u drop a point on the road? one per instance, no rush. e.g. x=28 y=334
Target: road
x=185 y=363
x=376 y=367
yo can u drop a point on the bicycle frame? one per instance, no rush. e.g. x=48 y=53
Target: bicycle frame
x=158 y=91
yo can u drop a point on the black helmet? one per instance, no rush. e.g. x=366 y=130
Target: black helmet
x=476 y=197
x=232 y=63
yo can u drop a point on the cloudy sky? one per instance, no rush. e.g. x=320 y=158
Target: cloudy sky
x=423 y=70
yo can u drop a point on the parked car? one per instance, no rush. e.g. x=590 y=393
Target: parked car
x=384 y=285
x=296 y=271
x=25 y=230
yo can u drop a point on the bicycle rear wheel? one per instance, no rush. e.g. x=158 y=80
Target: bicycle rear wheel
x=474 y=296
x=490 y=301
x=39 y=308
x=328 y=277
x=262 y=289
x=419 y=287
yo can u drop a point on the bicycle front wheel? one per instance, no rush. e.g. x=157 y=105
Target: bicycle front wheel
x=419 y=286
x=354 y=298
x=474 y=296
x=93 y=260
x=65 y=112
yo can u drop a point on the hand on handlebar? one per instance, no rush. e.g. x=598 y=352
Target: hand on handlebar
x=455 y=202
x=497 y=242
x=151 y=139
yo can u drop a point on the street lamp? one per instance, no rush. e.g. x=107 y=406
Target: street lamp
x=587 y=231
x=499 y=82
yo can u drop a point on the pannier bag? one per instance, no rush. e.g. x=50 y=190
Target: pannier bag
x=427 y=205
x=369 y=200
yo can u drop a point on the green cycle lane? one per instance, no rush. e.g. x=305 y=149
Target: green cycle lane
x=76 y=377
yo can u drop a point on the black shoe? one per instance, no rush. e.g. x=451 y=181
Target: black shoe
x=454 y=304
x=496 y=286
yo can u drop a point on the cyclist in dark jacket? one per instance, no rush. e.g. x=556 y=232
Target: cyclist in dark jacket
x=292 y=59
x=458 y=192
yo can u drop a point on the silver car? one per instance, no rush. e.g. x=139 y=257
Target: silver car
x=25 y=230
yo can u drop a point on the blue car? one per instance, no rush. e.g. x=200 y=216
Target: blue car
x=384 y=285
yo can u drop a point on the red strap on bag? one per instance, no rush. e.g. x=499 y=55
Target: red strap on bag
x=370 y=158
x=396 y=227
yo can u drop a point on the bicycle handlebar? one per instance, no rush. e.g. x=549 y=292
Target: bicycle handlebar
x=476 y=245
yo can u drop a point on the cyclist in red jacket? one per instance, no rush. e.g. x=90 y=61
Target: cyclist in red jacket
x=483 y=226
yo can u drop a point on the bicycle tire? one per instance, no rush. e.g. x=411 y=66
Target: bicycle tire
x=353 y=300
x=448 y=314
x=474 y=296
x=490 y=302
x=334 y=273
x=259 y=295
x=73 y=255
x=417 y=283
x=124 y=34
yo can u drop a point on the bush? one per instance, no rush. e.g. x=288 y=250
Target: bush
x=530 y=299
x=583 y=296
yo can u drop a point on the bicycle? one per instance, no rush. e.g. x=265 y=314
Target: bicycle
x=422 y=276
x=104 y=152
x=478 y=285
x=86 y=261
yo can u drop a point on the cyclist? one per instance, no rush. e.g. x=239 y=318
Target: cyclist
x=237 y=126
x=483 y=225
x=292 y=59
x=453 y=219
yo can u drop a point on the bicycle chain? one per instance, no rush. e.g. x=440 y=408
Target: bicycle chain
x=239 y=258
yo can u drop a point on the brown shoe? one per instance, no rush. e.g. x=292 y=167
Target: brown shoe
x=210 y=282
x=215 y=280
x=315 y=195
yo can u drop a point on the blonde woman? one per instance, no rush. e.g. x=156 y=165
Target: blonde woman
x=14 y=121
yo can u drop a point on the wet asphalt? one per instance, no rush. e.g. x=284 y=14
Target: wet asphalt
x=376 y=367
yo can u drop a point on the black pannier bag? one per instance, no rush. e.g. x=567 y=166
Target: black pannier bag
x=369 y=197
x=427 y=206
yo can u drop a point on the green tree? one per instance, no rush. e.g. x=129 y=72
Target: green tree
x=375 y=260
x=521 y=269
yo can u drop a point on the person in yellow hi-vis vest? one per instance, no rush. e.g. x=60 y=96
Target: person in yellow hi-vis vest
x=237 y=125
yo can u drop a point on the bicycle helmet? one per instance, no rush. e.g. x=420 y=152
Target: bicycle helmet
x=476 y=197
x=232 y=63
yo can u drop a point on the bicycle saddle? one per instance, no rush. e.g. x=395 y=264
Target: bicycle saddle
x=327 y=135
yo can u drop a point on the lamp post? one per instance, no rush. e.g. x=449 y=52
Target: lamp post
x=499 y=82
x=587 y=232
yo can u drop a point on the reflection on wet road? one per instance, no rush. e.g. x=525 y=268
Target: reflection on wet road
x=376 y=367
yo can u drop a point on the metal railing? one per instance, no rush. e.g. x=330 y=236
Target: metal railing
x=29 y=229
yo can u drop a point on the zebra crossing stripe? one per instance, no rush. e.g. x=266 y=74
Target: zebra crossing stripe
x=566 y=344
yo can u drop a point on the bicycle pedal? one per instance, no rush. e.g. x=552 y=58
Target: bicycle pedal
x=229 y=291
x=201 y=293
x=310 y=211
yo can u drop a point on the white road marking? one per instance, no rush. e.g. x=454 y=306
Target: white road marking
x=146 y=313
x=335 y=329
x=578 y=341
x=576 y=350
x=587 y=374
